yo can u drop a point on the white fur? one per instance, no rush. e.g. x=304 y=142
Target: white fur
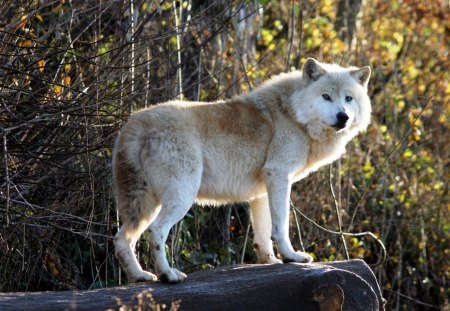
x=250 y=148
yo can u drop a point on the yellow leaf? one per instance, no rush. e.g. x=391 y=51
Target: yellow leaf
x=41 y=64
x=58 y=8
x=416 y=135
x=23 y=20
x=57 y=89
x=54 y=271
x=39 y=18
x=407 y=153
x=438 y=185
x=25 y=43
x=67 y=81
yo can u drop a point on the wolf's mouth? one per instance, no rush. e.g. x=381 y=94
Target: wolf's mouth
x=339 y=125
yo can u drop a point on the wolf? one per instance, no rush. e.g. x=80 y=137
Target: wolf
x=251 y=147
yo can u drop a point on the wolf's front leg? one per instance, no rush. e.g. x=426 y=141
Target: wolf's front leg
x=279 y=189
x=262 y=230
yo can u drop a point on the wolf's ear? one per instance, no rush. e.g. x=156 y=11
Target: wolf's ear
x=312 y=71
x=362 y=75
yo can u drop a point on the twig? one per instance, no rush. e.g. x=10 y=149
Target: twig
x=247 y=232
x=199 y=75
x=5 y=154
x=178 y=38
x=300 y=33
x=130 y=37
x=241 y=62
x=299 y=232
x=245 y=74
x=148 y=89
x=291 y=41
x=412 y=299
x=66 y=216
x=383 y=257
x=338 y=213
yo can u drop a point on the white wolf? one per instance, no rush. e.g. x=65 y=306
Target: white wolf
x=248 y=148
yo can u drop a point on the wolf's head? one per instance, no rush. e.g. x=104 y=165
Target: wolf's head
x=332 y=99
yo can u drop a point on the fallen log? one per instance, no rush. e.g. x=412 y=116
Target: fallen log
x=340 y=285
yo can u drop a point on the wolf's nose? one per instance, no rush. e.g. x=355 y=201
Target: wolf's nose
x=342 y=117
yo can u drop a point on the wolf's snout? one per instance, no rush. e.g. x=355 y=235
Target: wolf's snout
x=342 y=119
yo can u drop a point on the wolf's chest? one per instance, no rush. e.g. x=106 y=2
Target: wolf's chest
x=321 y=153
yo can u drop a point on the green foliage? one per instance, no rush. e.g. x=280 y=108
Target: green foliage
x=67 y=85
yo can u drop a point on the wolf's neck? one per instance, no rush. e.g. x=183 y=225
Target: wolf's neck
x=329 y=149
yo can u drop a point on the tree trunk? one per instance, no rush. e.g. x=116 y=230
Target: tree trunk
x=344 y=285
x=345 y=24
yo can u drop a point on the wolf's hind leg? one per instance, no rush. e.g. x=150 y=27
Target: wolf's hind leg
x=262 y=227
x=176 y=202
x=137 y=209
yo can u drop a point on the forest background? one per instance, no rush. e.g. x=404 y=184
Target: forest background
x=71 y=72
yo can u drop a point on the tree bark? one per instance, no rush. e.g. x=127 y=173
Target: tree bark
x=345 y=24
x=344 y=285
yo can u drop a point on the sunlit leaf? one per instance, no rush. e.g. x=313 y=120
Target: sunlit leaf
x=25 y=43
x=67 y=81
x=41 y=64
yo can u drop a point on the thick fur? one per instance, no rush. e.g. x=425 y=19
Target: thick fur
x=249 y=148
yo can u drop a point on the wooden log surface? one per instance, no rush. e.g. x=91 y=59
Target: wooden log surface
x=340 y=285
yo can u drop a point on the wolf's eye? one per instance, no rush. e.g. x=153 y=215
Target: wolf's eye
x=348 y=98
x=326 y=97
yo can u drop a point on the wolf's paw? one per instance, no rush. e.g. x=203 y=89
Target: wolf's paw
x=172 y=276
x=142 y=276
x=298 y=257
x=269 y=260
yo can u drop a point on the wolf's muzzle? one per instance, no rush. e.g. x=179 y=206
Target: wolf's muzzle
x=342 y=119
